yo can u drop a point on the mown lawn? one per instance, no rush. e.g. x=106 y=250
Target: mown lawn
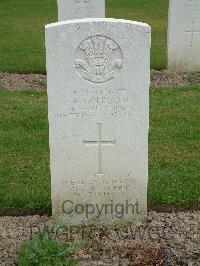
x=22 y=29
x=174 y=145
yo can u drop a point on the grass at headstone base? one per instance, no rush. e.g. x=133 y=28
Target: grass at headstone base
x=174 y=144
x=22 y=30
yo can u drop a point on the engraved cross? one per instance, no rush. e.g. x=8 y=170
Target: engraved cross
x=99 y=143
x=192 y=32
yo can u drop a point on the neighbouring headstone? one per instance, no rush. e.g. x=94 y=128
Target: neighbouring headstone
x=77 y=9
x=184 y=35
x=98 y=95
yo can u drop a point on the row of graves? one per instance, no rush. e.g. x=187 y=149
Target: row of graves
x=98 y=95
x=183 y=28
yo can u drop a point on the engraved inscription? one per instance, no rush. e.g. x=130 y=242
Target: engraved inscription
x=109 y=187
x=82 y=7
x=79 y=1
x=88 y=103
x=98 y=59
x=99 y=143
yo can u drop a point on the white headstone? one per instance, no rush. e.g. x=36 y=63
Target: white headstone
x=77 y=9
x=184 y=35
x=98 y=93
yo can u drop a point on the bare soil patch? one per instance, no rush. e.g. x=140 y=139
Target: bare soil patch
x=162 y=79
x=165 y=239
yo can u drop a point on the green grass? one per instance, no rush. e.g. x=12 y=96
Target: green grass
x=174 y=144
x=22 y=30
x=24 y=154
x=45 y=250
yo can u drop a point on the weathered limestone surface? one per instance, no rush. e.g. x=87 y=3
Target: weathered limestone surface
x=77 y=9
x=184 y=35
x=98 y=93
